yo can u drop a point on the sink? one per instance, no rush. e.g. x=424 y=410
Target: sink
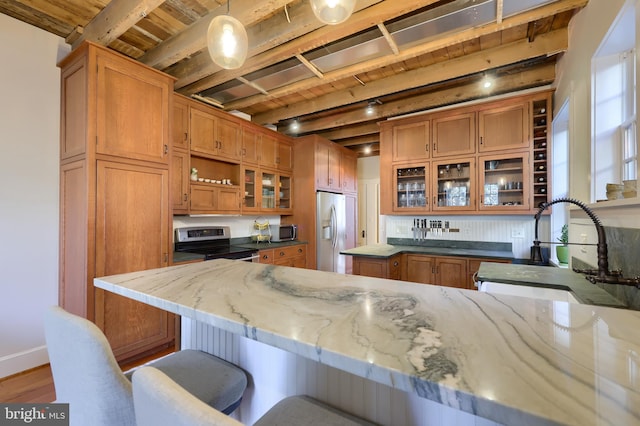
x=528 y=291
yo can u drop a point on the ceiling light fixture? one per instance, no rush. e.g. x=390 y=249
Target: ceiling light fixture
x=295 y=125
x=370 y=109
x=333 y=12
x=487 y=82
x=227 y=41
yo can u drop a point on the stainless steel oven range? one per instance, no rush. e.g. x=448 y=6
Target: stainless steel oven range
x=214 y=242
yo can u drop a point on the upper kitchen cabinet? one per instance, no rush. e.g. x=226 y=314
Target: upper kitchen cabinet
x=411 y=141
x=212 y=134
x=505 y=182
x=349 y=170
x=503 y=126
x=327 y=165
x=138 y=128
x=453 y=134
x=250 y=147
x=114 y=192
x=275 y=151
x=180 y=130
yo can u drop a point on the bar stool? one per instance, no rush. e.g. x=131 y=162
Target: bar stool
x=160 y=400
x=87 y=376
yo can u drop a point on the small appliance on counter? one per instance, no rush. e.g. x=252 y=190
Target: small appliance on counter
x=283 y=232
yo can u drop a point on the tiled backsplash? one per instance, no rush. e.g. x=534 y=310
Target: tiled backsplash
x=623 y=245
x=517 y=230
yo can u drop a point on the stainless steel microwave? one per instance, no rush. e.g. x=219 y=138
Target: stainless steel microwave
x=283 y=232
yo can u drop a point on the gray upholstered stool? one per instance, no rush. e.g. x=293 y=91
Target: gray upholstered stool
x=87 y=376
x=303 y=410
x=159 y=400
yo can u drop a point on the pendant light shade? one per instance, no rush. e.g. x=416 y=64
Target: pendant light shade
x=227 y=42
x=333 y=12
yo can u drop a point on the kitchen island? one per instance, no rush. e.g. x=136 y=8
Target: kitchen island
x=420 y=348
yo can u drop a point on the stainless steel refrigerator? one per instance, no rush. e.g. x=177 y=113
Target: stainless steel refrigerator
x=331 y=234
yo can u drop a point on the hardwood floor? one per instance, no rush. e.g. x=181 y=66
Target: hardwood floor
x=36 y=385
x=31 y=386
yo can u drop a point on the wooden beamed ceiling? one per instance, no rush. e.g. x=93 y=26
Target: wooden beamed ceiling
x=518 y=52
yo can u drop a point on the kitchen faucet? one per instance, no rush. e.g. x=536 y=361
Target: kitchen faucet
x=602 y=274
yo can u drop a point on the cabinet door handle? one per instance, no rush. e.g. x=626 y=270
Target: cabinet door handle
x=166 y=148
x=481 y=141
x=426 y=147
x=186 y=197
x=433 y=270
x=264 y=256
x=434 y=200
x=395 y=263
x=434 y=148
x=186 y=136
x=281 y=253
x=299 y=250
x=363 y=233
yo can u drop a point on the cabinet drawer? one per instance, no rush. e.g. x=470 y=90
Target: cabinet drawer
x=266 y=256
x=289 y=251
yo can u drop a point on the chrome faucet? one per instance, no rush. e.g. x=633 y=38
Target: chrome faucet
x=602 y=274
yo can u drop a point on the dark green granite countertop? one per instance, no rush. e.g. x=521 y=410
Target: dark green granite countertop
x=388 y=250
x=549 y=277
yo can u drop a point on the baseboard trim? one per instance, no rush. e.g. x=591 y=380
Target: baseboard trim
x=22 y=361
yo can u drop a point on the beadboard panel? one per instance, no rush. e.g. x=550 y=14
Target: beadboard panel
x=276 y=374
x=517 y=230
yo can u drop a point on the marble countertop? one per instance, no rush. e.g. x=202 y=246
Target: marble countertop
x=548 y=277
x=513 y=360
x=388 y=250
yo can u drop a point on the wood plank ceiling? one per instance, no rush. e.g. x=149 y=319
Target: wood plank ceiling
x=396 y=56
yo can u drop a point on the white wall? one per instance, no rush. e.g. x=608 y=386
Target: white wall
x=29 y=157
x=573 y=84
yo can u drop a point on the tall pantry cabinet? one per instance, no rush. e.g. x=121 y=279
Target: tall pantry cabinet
x=114 y=192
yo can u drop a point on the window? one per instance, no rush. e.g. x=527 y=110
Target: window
x=614 y=131
x=629 y=152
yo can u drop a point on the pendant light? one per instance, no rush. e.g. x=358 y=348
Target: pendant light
x=333 y=12
x=227 y=41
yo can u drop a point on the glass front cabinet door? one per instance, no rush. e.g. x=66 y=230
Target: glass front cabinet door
x=411 y=188
x=454 y=185
x=505 y=182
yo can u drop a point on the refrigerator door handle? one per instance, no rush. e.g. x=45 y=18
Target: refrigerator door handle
x=334 y=226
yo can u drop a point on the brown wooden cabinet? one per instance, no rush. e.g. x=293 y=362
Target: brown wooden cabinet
x=180 y=121
x=378 y=267
x=180 y=181
x=295 y=256
x=411 y=141
x=212 y=134
x=206 y=198
x=438 y=270
x=504 y=126
x=114 y=191
x=349 y=171
x=131 y=129
x=251 y=139
x=453 y=134
x=327 y=166
x=474 y=266
x=317 y=159
x=469 y=138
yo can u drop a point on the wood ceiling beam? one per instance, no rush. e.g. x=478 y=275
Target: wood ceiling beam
x=115 y=19
x=532 y=77
x=304 y=41
x=194 y=38
x=438 y=43
x=355 y=141
x=465 y=65
x=352 y=131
